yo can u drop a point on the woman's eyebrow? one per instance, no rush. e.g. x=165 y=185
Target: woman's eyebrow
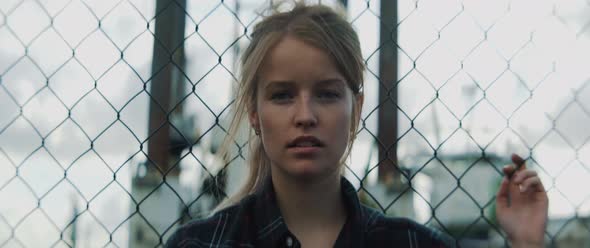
x=321 y=83
x=278 y=84
x=331 y=81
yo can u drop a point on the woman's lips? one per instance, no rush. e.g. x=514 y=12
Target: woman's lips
x=305 y=150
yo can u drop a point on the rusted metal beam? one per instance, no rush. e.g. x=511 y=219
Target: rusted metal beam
x=388 y=116
x=168 y=56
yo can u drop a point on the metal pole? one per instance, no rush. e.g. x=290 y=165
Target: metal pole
x=165 y=91
x=169 y=34
x=387 y=127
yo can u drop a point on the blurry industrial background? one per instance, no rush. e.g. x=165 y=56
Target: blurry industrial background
x=112 y=113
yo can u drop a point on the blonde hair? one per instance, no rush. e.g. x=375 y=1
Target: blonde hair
x=317 y=25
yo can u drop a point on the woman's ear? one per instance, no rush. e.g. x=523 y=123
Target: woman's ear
x=360 y=98
x=253 y=118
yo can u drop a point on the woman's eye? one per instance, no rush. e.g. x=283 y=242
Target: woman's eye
x=329 y=95
x=280 y=96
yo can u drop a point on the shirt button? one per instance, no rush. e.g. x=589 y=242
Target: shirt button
x=289 y=241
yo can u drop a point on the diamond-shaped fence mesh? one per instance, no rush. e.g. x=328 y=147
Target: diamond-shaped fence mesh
x=112 y=113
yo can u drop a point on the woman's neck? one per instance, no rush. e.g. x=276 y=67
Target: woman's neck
x=312 y=210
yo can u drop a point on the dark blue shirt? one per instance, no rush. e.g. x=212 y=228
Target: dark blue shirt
x=256 y=221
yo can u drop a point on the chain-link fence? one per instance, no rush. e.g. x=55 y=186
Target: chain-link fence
x=111 y=114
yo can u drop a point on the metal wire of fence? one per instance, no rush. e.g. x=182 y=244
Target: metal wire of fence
x=111 y=113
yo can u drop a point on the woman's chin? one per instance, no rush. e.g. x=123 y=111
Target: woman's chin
x=310 y=170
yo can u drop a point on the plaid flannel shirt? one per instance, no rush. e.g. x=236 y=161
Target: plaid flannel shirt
x=257 y=222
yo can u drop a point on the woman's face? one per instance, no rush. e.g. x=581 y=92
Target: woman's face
x=303 y=110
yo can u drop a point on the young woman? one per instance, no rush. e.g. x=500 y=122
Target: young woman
x=301 y=90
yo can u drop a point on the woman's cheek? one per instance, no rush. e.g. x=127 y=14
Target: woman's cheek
x=274 y=122
x=340 y=127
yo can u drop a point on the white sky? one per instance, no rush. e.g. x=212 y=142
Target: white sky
x=547 y=55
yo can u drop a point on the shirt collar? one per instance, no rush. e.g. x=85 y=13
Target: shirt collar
x=271 y=229
x=270 y=226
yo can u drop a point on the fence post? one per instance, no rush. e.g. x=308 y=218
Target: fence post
x=169 y=33
x=163 y=147
x=388 y=117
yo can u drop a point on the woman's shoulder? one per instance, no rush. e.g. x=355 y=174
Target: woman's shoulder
x=383 y=229
x=210 y=231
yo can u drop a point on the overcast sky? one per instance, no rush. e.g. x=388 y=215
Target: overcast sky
x=547 y=55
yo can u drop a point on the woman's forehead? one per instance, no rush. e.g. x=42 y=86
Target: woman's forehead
x=292 y=59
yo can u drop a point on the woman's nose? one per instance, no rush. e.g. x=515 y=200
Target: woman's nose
x=305 y=115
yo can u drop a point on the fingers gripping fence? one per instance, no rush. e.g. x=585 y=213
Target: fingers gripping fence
x=112 y=113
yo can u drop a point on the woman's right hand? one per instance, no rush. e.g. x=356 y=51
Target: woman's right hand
x=522 y=205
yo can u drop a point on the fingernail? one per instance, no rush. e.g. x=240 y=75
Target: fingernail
x=517 y=159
